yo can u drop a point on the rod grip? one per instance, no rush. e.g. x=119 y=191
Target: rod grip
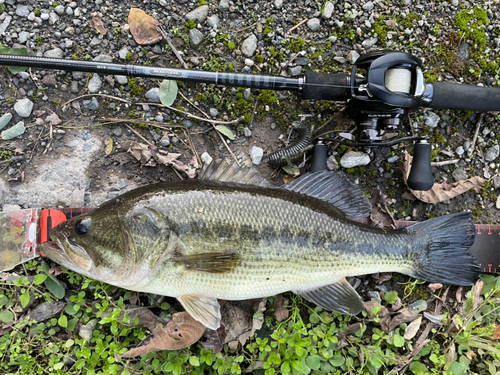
x=420 y=177
x=326 y=86
x=448 y=95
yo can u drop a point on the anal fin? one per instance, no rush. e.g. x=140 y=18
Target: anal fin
x=339 y=297
x=205 y=310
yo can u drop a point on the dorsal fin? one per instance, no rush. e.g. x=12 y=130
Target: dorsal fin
x=225 y=172
x=335 y=188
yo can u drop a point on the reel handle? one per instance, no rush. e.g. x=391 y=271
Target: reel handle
x=420 y=177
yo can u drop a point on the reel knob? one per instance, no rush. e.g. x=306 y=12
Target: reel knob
x=320 y=151
x=420 y=177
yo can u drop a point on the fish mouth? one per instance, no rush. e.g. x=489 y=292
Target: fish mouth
x=51 y=245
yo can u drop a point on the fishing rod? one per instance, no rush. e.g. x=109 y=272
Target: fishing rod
x=392 y=83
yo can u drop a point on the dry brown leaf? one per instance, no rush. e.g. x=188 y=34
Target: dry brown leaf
x=435 y=286
x=383 y=314
x=397 y=305
x=55 y=270
x=98 y=25
x=382 y=277
x=450 y=357
x=143 y=27
x=141 y=152
x=242 y=319
x=444 y=191
x=408 y=196
x=182 y=331
x=412 y=329
x=406 y=315
x=215 y=339
x=496 y=335
x=477 y=294
x=280 y=311
x=379 y=216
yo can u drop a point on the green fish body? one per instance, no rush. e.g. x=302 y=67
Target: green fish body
x=203 y=240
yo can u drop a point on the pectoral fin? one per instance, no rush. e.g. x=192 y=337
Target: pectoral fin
x=339 y=297
x=206 y=310
x=209 y=262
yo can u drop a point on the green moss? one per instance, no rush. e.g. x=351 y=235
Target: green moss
x=129 y=56
x=259 y=59
x=215 y=65
x=437 y=138
x=231 y=45
x=296 y=45
x=190 y=25
x=409 y=21
x=434 y=153
x=135 y=88
x=381 y=29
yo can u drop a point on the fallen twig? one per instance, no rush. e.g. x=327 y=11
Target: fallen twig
x=246 y=28
x=474 y=139
x=106 y=96
x=137 y=134
x=169 y=41
x=446 y=162
x=193 y=116
x=298 y=25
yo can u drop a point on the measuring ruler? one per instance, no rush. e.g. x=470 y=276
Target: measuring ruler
x=24 y=231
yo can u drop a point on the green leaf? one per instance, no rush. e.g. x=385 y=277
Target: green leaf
x=25 y=298
x=3 y=300
x=337 y=360
x=168 y=92
x=285 y=367
x=398 y=341
x=294 y=171
x=418 y=368
x=226 y=131
x=55 y=287
x=80 y=363
x=300 y=367
x=391 y=297
x=457 y=368
x=194 y=361
x=40 y=278
x=14 y=51
x=314 y=362
x=6 y=316
x=63 y=321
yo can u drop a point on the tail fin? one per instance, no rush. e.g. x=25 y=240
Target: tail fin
x=447 y=259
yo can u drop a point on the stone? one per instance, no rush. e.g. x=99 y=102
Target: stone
x=460 y=150
x=314 y=24
x=295 y=70
x=53 y=18
x=459 y=174
x=368 y=6
x=352 y=56
x=256 y=154
x=23 y=107
x=247 y=132
x=431 y=119
x=95 y=84
x=94 y=104
x=278 y=4
x=249 y=45
x=23 y=37
x=195 y=38
x=74 y=87
x=122 y=80
x=331 y=163
x=328 y=10
x=59 y=9
x=213 y=112
x=154 y=94
x=199 y=15
x=53 y=119
x=497 y=205
x=49 y=80
x=206 y=158
x=353 y=159
x=224 y=4
x=492 y=153
x=5 y=24
x=246 y=94
x=103 y=58
x=369 y=43
x=22 y=10
x=122 y=54
x=55 y=53
x=213 y=21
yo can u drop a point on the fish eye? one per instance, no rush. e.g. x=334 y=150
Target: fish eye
x=82 y=227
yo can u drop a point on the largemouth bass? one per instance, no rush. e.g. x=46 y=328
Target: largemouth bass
x=203 y=240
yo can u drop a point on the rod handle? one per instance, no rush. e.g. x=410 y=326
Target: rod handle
x=420 y=177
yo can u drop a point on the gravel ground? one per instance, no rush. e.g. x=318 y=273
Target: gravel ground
x=61 y=153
